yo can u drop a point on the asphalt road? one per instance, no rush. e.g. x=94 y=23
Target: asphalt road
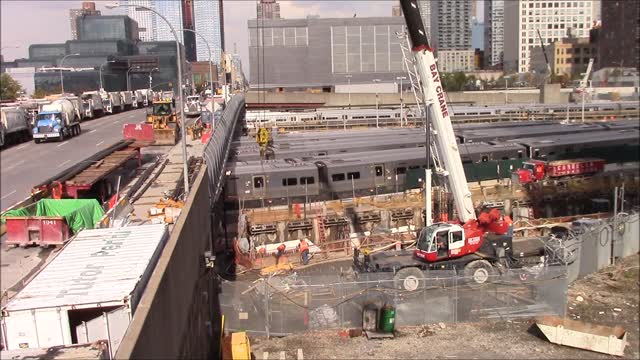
x=25 y=165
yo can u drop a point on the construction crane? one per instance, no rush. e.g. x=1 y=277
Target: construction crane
x=471 y=243
x=546 y=58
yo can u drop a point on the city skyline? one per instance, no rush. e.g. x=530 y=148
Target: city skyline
x=236 y=15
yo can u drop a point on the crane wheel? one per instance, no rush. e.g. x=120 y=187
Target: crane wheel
x=408 y=279
x=479 y=271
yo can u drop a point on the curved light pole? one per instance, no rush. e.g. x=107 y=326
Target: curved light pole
x=183 y=130
x=128 y=81
x=61 y=77
x=210 y=58
x=107 y=62
x=152 y=70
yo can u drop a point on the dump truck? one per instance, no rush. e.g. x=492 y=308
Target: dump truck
x=538 y=170
x=14 y=125
x=116 y=102
x=160 y=127
x=192 y=106
x=127 y=99
x=57 y=120
x=92 y=106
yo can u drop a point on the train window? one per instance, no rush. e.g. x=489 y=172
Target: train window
x=353 y=175
x=567 y=150
x=401 y=170
x=258 y=182
x=505 y=158
x=520 y=155
x=552 y=153
x=485 y=158
x=536 y=153
x=379 y=170
x=322 y=153
x=413 y=167
x=289 y=182
x=307 y=180
x=337 y=177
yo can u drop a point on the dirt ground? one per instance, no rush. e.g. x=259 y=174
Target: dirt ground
x=609 y=297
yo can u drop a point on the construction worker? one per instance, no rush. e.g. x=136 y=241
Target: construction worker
x=280 y=251
x=304 y=250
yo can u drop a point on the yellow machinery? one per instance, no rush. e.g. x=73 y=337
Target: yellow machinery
x=164 y=121
x=264 y=140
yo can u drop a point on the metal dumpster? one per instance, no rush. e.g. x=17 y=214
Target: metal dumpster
x=37 y=230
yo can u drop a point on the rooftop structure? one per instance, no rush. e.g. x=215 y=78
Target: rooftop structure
x=88 y=8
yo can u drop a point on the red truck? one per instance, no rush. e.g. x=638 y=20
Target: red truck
x=537 y=170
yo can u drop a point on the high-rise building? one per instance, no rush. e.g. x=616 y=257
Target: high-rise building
x=88 y=8
x=555 y=19
x=493 y=31
x=172 y=11
x=146 y=19
x=425 y=14
x=316 y=52
x=207 y=16
x=451 y=24
x=268 y=9
x=619 y=37
x=569 y=56
x=188 y=24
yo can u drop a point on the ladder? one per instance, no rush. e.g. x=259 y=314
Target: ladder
x=418 y=93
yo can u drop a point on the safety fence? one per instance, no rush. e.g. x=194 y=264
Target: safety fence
x=216 y=152
x=280 y=305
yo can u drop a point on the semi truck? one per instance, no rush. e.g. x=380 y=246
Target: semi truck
x=14 y=125
x=57 y=120
x=538 y=170
x=92 y=106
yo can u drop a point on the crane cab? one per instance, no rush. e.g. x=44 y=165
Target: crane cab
x=444 y=241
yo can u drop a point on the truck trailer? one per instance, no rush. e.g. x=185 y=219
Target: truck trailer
x=57 y=120
x=91 y=105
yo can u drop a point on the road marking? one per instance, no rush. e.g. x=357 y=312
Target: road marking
x=22 y=147
x=64 y=143
x=100 y=143
x=9 y=194
x=94 y=130
x=62 y=164
x=15 y=164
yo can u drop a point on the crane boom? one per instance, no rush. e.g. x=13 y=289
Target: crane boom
x=585 y=80
x=434 y=94
x=544 y=52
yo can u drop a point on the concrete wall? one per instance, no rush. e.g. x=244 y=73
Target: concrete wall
x=496 y=97
x=175 y=317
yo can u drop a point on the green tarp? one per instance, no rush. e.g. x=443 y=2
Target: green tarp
x=79 y=213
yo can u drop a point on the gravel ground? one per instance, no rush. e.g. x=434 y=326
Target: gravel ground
x=591 y=299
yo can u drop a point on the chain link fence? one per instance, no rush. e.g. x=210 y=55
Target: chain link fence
x=281 y=305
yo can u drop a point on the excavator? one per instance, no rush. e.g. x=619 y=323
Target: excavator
x=161 y=126
x=475 y=244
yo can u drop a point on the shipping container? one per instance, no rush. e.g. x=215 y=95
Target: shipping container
x=574 y=167
x=88 y=292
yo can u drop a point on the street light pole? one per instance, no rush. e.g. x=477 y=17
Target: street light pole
x=101 y=80
x=128 y=81
x=152 y=70
x=506 y=90
x=377 y=107
x=61 y=77
x=210 y=59
x=183 y=130
x=349 y=88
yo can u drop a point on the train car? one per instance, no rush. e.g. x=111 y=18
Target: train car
x=612 y=146
x=506 y=133
x=271 y=182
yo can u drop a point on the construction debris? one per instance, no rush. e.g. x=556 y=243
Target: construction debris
x=165 y=211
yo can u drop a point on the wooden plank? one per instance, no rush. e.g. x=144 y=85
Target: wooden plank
x=300 y=355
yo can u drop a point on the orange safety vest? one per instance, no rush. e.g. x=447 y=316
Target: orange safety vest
x=303 y=246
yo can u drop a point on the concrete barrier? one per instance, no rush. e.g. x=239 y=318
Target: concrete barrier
x=175 y=317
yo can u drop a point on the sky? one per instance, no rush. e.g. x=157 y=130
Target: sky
x=33 y=22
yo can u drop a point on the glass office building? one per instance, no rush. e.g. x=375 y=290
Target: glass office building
x=46 y=51
x=107 y=28
x=207 y=15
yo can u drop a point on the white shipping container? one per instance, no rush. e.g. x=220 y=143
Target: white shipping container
x=98 y=277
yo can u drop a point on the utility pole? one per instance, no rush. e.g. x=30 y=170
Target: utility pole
x=375 y=81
